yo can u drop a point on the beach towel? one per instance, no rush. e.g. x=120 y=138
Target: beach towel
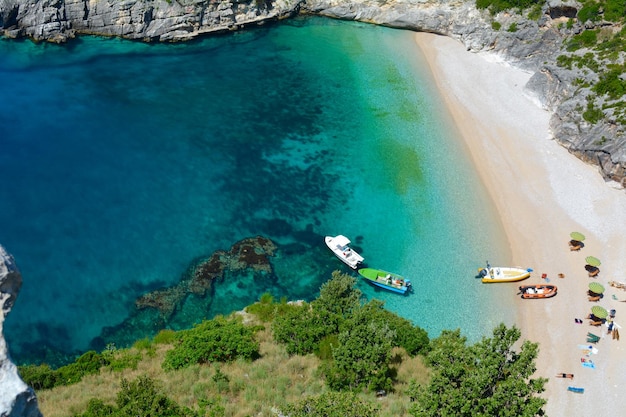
x=576 y=389
x=589 y=365
x=588 y=350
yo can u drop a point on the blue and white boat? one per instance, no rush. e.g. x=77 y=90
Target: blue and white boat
x=386 y=280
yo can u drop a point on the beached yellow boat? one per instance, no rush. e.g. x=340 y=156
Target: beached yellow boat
x=502 y=274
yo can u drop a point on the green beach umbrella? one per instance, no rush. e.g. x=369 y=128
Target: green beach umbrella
x=596 y=287
x=577 y=236
x=593 y=261
x=599 y=312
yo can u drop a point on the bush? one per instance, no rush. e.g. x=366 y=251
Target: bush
x=592 y=114
x=38 y=376
x=614 y=10
x=611 y=83
x=589 y=12
x=165 y=337
x=362 y=357
x=266 y=309
x=300 y=329
x=586 y=39
x=217 y=340
x=344 y=404
x=124 y=359
x=496 y=6
x=488 y=378
x=140 y=397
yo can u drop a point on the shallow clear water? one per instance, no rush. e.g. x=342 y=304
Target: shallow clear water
x=123 y=164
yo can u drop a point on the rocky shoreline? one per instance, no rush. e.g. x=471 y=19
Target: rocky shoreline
x=534 y=45
x=16 y=398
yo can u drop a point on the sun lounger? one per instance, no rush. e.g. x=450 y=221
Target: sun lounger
x=595 y=298
x=594 y=272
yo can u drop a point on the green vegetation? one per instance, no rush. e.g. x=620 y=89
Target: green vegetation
x=592 y=114
x=487 y=379
x=496 y=6
x=323 y=358
x=138 y=398
x=332 y=404
x=43 y=377
x=600 y=51
x=217 y=340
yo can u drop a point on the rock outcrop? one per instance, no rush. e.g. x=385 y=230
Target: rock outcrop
x=531 y=44
x=16 y=398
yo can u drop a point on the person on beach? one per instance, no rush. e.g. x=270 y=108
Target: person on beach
x=564 y=375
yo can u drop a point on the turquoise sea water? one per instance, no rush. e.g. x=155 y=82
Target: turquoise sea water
x=124 y=163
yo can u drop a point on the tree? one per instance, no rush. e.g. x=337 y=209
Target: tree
x=412 y=338
x=361 y=360
x=488 y=378
x=338 y=297
x=300 y=329
x=332 y=404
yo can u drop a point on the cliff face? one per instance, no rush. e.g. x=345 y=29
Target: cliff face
x=534 y=45
x=16 y=399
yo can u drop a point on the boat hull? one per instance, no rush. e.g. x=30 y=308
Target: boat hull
x=503 y=274
x=530 y=292
x=386 y=280
x=339 y=245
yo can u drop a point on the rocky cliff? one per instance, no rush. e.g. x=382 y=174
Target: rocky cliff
x=16 y=399
x=534 y=45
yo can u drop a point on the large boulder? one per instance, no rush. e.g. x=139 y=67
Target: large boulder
x=16 y=398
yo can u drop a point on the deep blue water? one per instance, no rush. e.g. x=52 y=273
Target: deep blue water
x=123 y=164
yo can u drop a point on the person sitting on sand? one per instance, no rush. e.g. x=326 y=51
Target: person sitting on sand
x=564 y=375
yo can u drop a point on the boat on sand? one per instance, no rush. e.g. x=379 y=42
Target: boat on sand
x=537 y=291
x=386 y=280
x=340 y=245
x=502 y=274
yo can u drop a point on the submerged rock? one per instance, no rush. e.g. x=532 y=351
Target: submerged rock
x=251 y=253
x=16 y=398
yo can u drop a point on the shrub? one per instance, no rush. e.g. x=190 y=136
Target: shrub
x=140 y=397
x=592 y=114
x=496 y=25
x=590 y=11
x=496 y=6
x=488 y=378
x=345 y=404
x=362 y=357
x=614 y=10
x=165 y=337
x=300 y=329
x=217 y=340
x=611 y=83
x=535 y=12
x=39 y=377
x=124 y=359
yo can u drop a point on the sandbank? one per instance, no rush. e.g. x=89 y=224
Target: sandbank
x=542 y=193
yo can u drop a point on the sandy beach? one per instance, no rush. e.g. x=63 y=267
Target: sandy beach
x=543 y=193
